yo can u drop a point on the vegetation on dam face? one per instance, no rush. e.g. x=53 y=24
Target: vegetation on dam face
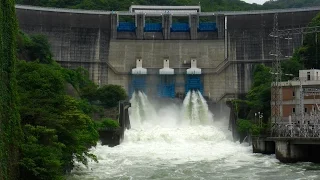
x=259 y=96
x=10 y=129
x=206 y=5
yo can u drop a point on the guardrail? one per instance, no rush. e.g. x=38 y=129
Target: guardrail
x=308 y=126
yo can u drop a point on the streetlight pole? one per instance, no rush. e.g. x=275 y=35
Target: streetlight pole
x=260 y=119
x=255 y=116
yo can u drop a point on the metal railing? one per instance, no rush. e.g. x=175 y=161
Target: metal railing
x=308 y=128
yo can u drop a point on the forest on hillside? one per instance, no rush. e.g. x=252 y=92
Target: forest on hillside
x=276 y=4
x=206 y=5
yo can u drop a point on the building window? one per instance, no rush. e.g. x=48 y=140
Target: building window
x=293 y=110
x=293 y=93
x=308 y=76
x=305 y=110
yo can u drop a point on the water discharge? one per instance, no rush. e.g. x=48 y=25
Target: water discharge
x=183 y=141
x=195 y=109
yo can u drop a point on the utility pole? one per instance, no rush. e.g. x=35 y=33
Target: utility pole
x=276 y=91
x=276 y=75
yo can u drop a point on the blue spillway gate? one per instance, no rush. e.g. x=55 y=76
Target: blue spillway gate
x=153 y=27
x=138 y=83
x=166 y=90
x=193 y=82
x=126 y=27
x=166 y=87
x=180 y=27
x=207 y=27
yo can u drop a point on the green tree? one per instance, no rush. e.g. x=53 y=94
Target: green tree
x=10 y=129
x=309 y=53
x=42 y=154
x=110 y=95
x=80 y=80
x=77 y=132
x=123 y=5
x=260 y=94
x=34 y=47
x=106 y=123
x=292 y=66
x=206 y=5
x=39 y=49
x=52 y=121
x=271 y=4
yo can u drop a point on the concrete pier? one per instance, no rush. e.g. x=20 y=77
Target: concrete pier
x=289 y=150
x=261 y=145
x=140 y=21
x=110 y=137
x=113 y=137
x=193 y=22
x=166 y=24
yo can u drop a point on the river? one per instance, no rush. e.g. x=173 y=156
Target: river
x=183 y=142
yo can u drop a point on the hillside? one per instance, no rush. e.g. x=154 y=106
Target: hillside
x=276 y=4
x=206 y=5
x=123 y=5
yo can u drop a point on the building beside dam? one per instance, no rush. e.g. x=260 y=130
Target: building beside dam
x=301 y=95
x=166 y=50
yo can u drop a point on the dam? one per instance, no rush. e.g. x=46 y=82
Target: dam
x=166 y=51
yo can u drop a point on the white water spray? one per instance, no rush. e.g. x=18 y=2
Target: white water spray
x=141 y=110
x=195 y=109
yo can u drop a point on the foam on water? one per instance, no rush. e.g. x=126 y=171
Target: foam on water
x=178 y=142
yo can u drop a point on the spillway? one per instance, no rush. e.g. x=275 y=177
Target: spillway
x=182 y=141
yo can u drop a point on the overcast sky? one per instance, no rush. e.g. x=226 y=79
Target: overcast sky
x=255 y=1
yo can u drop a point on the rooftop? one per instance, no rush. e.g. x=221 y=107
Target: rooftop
x=164 y=9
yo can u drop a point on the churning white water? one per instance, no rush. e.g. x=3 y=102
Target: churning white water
x=172 y=141
x=195 y=109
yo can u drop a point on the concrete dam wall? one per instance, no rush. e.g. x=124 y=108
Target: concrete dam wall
x=226 y=55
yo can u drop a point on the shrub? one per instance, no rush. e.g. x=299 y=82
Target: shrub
x=110 y=95
x=248 y=126
x=107 y=124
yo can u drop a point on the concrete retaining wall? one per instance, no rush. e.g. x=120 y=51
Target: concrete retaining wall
x=77 y=40
x=289 y=150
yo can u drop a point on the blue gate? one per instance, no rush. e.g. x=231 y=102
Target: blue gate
x=153 y=27
x=126 y=27
x=207 y=27
x=193 y=82
x=166 y=86
x=138 y=83
x=180 y=27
